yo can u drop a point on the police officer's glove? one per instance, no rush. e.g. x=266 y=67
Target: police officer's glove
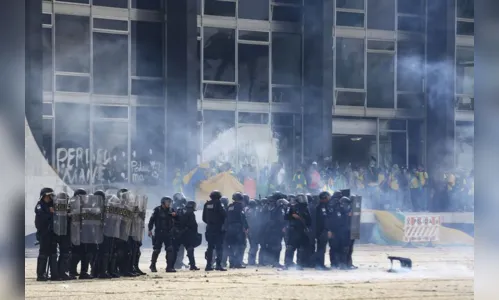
x=330 y=235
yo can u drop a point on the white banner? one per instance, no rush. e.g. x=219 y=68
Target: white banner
x=422 y=228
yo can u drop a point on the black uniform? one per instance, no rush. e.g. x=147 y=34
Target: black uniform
x=338 y=243
x=45 y=234
x=236 y=228
x=297 y=231
x=274 y=233
x=179 y=202
x=214 y=216
x=162 y=220
x=64 y=244
x=77 y=251
x=188 y=232
x=253 y=216
x=321 y=229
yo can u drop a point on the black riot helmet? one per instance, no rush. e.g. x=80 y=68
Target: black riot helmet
x=252 y=204
x=345 y=202
x=46 y=191
x=336 y=196
x=301 y=199
x=100 y=193
x=324 y=196
x=215 y=195
x=237 y=197
x=282 y=203
x=179 y=198
x=224 y=201
x=191 y=205
x=246 y=199
x=277 y=195
x=264 y=201
x=166 y=201
x=121 y=192
x=310 y=198
x=79 y=192
x=63 y=195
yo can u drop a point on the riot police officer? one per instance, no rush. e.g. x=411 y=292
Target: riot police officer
x=62 y=236
x=275 y=228
x=254 y=224
x=125 y=243
x=188 y=236
x=162 y=220
x=346 y=203
x=44 y=212
x=179 y=202
x=98 y=258
x=214 y=216
x=236 y=230
x=77 y=251
x=322 y=232
x=299 y=222
x=338 y=232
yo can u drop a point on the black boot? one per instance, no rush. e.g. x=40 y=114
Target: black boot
x=179 y=261
x=73 y=264
x=41 y=268
x=63 y=264
x=154 y=259
x=54 y=268
x=192 y=260
x=209 y=262
x=170 y=262
x=104 y=267
x=113 y=267
x=136 y=264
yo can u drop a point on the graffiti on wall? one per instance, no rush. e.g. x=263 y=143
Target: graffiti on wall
x=102 y=166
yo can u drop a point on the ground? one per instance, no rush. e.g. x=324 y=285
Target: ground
x=438 y=273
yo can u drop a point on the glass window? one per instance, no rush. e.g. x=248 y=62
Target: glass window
x=47 y=59
x=416 y=143
x=465 y=103
x=465 y=138
x=410 y=66
x=72 y=142
x=253 y=36
x=220 y=8
x=110 y=75
x=286 y=133
x=411 y=24
x=253 y=118
x=254 y=9
x=47 y=19
x=350 y=98
x=47 y=109
x=466 y=9
x=286 y=14
x=410 y=101
x=147 y=4
x=47 y=139
x=465 y=70
x=353 y=149
x=380 y=80
x=253 y=73
x=147 y=48
x=219 y=91
x=219 y=136
x=111 y=24
x=111 y=3
x=282 y=120
x=110 y=147
x=219 y=54
x=349 y=19
x=286 y=95
x=148 y=144
x=295 y=2
x=148 y=88
x=75 y=1
x=349 y=63
x=392 y=149
x=286 y=58
x=465 y=28
x=352 y=4
x=110 y=111
x=381 y=14
x=76 y=84
x=416 y=7
x=381 y=45
x=72 y=43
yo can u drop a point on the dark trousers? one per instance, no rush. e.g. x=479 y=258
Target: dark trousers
x=47 y=250
x=88 y=254
x=235 y=239
x=215 y=240
x=253 y=248
x=273 y=247
x=321 y=250
x=296 y=240
x=167 y=240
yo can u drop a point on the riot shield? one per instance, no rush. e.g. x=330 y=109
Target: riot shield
x=75 y=212
x=127 y=209
x=91 y=219
x=61 y=215
x=138 y=223
x=112 y=217
x=356 y=207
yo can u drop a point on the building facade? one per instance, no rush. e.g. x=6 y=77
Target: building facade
x=134 y=89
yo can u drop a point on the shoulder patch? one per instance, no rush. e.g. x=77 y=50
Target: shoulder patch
x=231 y=208
x=38 y=207
x=210 y=206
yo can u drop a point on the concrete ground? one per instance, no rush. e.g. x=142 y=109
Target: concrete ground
x=438 y=273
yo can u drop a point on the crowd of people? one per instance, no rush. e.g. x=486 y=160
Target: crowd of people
x=103 y=232
x=382 y=187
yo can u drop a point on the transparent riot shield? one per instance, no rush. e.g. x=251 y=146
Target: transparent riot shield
x=61 y=215
x=127 y=209
x=91 y=219
x=355 y=219
x=75 y=213
x=138 y=223
x=112 y=217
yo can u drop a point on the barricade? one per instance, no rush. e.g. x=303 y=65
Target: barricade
x=422 y=229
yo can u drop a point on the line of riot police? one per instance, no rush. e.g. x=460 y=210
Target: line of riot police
x=306 y=223
x=101 y=232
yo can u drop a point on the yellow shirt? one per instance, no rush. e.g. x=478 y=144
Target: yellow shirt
x=394 y=184
x=414 y=182
x=423 y=176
